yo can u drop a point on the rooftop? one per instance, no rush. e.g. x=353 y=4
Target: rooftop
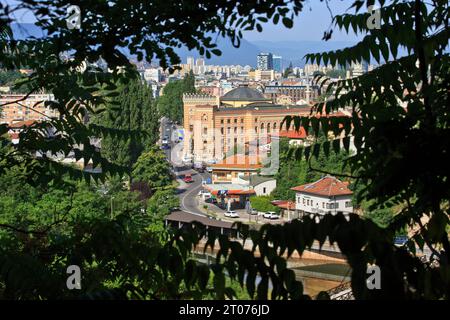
x=256 y=179
x=326 y=186
x=239 y=161
x=230 y=188
x=187 y=217
x=264 y=106
x=284 y=204
x=292 y=134
x=243 y=93
x=21 y=124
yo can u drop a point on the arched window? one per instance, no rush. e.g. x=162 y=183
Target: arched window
x=268 y=128
x=274 y=126
x=204 y=117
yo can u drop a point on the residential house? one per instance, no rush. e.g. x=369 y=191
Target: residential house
x=326 y=195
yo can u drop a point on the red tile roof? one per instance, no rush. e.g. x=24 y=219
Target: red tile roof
x=20 y=124
x=239 y=161
x=327 y=186
x=284 y=204
x=290 y=83
x=292 y=134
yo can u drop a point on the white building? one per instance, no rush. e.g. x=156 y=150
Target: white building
x=153 y=74
x=263 y=185
x=190 y=63
x=326 y=195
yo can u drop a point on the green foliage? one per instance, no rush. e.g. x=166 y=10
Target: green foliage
x=162 y=202
x=133 y=110
x=170 y=104
x=399 y=123
x=12 y=79
x=45 y=230
x=262 y=203
x=402 y=157
x=336 y=73
x=153 y=169
x=8 y=77
x=63 y=63
x=293 y=172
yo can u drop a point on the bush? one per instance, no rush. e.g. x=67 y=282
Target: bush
x=263 y=203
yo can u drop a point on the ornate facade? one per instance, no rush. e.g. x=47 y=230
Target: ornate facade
x=217 y=127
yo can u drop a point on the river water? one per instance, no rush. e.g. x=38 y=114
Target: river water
x=315 y=275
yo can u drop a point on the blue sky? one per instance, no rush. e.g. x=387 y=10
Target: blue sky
x=309 y=25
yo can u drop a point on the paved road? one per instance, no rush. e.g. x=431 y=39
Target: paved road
x=187 y=192
x=167 y=130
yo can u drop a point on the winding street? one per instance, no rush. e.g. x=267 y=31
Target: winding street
x=186 y=191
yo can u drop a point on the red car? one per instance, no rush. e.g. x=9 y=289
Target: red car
x=188 y=178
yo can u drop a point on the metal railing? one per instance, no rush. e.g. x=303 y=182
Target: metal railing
x=341 y=292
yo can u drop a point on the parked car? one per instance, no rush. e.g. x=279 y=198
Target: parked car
x=204 y=194
x=198 y=166
x=231 y=214
x=275 y=216
x=271 y=215
x=209 y=169
x=253 y=212
x=188 y=178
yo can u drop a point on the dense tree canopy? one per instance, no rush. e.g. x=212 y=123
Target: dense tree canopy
x=336 y=73
x=152 y=169
x=133 y=110
x=170 y=104
x=293 y=172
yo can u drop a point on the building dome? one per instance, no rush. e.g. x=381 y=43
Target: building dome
x=243 y=93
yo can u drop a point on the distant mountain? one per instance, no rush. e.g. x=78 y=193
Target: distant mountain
x=291 y=51
x=245 y=55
